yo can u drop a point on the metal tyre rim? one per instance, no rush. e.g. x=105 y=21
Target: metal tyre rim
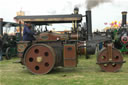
x=8 y=54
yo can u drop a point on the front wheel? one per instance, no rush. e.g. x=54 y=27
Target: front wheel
x=8 y=54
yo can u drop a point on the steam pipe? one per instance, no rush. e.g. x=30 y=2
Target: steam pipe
x=74 y=23
x=124 y=18
x=20 y=30
x=1 y=26
x=89 y=25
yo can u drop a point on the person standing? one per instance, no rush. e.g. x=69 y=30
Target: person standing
x=1 y=44
x=27 y=33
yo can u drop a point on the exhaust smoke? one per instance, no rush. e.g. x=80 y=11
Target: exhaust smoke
x=94 y=3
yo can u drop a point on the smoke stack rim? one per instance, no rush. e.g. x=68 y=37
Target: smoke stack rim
x=88 y=10
x=124 y=13
x=76 y=10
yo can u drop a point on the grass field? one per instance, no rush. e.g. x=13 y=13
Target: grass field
x=86 y=73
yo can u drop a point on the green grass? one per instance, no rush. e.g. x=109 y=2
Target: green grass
x=86 y=73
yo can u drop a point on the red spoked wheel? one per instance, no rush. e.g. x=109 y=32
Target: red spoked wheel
x=124 y=39
x=110 y=65
x=39 y=59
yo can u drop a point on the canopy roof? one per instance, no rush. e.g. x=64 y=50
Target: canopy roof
x=45 y=19
x=10 y=23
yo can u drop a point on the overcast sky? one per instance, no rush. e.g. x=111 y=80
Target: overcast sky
x=106 y=12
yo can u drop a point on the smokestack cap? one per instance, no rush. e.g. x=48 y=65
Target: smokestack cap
x=124 y=13
x=76 y=10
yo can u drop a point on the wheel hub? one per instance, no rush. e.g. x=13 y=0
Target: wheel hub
x=39 y=59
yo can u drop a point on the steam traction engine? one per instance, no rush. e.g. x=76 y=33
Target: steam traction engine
x=9 y=41
x=121 y=35
x=51 y=49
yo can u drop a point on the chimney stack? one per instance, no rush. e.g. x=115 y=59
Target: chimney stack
x=124 y=18
x=1 y=26
x=89 y=24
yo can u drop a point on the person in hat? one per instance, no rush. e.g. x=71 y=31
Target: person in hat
x=28 y=33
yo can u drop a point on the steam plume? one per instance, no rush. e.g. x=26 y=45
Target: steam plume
x=93 y=3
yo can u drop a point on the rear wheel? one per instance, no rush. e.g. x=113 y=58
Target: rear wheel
x=40 y=59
